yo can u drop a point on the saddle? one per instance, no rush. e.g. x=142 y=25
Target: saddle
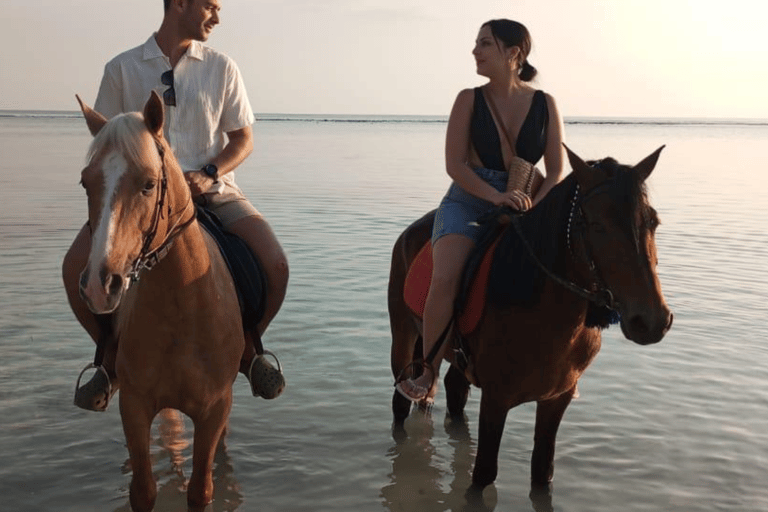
x=250 y=280
x=471 y=300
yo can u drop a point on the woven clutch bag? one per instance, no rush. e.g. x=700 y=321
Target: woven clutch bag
x=524 y=176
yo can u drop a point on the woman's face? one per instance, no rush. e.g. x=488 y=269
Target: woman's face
x=490 y=54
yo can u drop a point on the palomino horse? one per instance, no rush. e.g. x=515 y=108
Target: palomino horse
x=178 y=322
x=586 y=250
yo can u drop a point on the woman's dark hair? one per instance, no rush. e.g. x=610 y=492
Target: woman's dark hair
x=512 y=33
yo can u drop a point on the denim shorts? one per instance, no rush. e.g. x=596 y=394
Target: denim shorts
x=459 y=210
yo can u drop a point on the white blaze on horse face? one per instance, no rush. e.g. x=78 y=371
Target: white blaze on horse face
x=114 y=167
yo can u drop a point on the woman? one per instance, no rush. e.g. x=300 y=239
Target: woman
x=476 y=158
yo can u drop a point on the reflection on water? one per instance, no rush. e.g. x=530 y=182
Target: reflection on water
x=416 y=476
x=172 y=455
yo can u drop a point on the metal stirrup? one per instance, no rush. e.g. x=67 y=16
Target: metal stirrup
x=102 y=370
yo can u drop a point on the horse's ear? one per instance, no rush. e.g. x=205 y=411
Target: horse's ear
x=644 y=168
x=587 y=176
x=153 y=114
x=93 y=119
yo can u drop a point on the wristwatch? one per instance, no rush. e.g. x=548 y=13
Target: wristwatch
x=211 y=171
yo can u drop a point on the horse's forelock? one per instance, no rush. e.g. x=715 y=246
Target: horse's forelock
x=127 y=134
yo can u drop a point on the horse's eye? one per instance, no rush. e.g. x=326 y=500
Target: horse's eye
x=149 y=186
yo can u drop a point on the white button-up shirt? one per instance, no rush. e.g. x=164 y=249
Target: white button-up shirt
x=210 y=98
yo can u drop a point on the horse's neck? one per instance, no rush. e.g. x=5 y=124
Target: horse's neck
x=188 y=258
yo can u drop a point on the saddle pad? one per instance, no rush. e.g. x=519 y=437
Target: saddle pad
x=420 y=276
x=250 y=280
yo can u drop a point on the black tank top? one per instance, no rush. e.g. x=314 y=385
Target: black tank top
x=531 y=140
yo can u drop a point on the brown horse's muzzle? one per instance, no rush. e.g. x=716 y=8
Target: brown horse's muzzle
x=101 y=293
x=646 y=327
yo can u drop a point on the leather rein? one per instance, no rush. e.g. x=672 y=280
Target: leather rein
x=148 y=259
x=603 y=296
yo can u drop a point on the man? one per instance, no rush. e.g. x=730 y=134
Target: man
x=208 y=124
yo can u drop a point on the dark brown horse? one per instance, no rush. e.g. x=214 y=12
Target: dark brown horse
x=178 y=321
x=585 y=252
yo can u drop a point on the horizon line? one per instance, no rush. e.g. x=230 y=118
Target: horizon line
x=278 y=116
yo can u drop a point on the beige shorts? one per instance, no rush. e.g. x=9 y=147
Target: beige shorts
x=230 y=205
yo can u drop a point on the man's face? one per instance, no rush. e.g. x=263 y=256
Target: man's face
x=199 y=17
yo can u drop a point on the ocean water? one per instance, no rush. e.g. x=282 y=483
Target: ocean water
x=677 y=426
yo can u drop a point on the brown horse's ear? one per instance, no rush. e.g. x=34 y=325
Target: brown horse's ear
x=93 y=119
x=644 y=168
x=587 y=176
x=153 y=114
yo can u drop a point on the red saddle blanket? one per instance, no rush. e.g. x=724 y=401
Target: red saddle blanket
x=420 y=275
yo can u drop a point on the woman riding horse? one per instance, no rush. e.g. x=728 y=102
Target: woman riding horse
x=479 y=158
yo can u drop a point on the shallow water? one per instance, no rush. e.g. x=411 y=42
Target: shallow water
x=675 y=426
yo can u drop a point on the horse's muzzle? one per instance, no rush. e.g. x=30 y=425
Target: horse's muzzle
x=101 y=295
x=647 y=329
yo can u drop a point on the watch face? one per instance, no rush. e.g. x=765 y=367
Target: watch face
x=211 y=170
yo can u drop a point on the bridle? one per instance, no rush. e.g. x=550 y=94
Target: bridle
x=148 y=259
x=603 y=296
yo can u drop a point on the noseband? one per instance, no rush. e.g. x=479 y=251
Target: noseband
x=148 y=259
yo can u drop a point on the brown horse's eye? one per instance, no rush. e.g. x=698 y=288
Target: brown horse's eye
x=149 y=186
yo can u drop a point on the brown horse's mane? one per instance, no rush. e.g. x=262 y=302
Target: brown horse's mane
x=127 y=134
x=518 y=280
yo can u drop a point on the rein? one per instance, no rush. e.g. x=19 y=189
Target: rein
x=603 y=296
x=148 y=259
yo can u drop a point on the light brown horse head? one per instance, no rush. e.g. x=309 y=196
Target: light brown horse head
x=123 y=179
x=619 y=241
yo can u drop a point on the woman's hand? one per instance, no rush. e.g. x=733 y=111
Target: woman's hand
x=514 y=199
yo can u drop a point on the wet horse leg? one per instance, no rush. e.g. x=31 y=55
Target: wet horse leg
x=406 y=344
x=549 y=413
x=137 y=422
x=493 y=415
x=456 y=392
x=208 y=431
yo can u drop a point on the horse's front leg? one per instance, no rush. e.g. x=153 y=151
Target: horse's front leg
x=493 y=415
x=137 y=422
x=549 y=413
x=208 y=430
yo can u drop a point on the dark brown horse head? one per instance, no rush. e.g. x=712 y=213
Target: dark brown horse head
x=123 y=182
x=619 y=240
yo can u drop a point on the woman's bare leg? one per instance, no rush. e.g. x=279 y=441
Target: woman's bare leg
x=449 y=255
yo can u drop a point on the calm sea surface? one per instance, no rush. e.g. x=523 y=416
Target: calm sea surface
x=681 y=425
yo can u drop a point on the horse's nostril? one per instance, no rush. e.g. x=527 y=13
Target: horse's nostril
x=83 y=280
x=113 y=284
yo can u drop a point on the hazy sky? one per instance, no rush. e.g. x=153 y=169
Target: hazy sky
x=659 y=58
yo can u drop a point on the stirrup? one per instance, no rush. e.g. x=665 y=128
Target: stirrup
x=100 y=368
x=265 y=353
x=426 y=367
x=274 y=384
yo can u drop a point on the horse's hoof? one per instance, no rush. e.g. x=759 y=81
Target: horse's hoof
x=266 y=380
x=94 y=395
